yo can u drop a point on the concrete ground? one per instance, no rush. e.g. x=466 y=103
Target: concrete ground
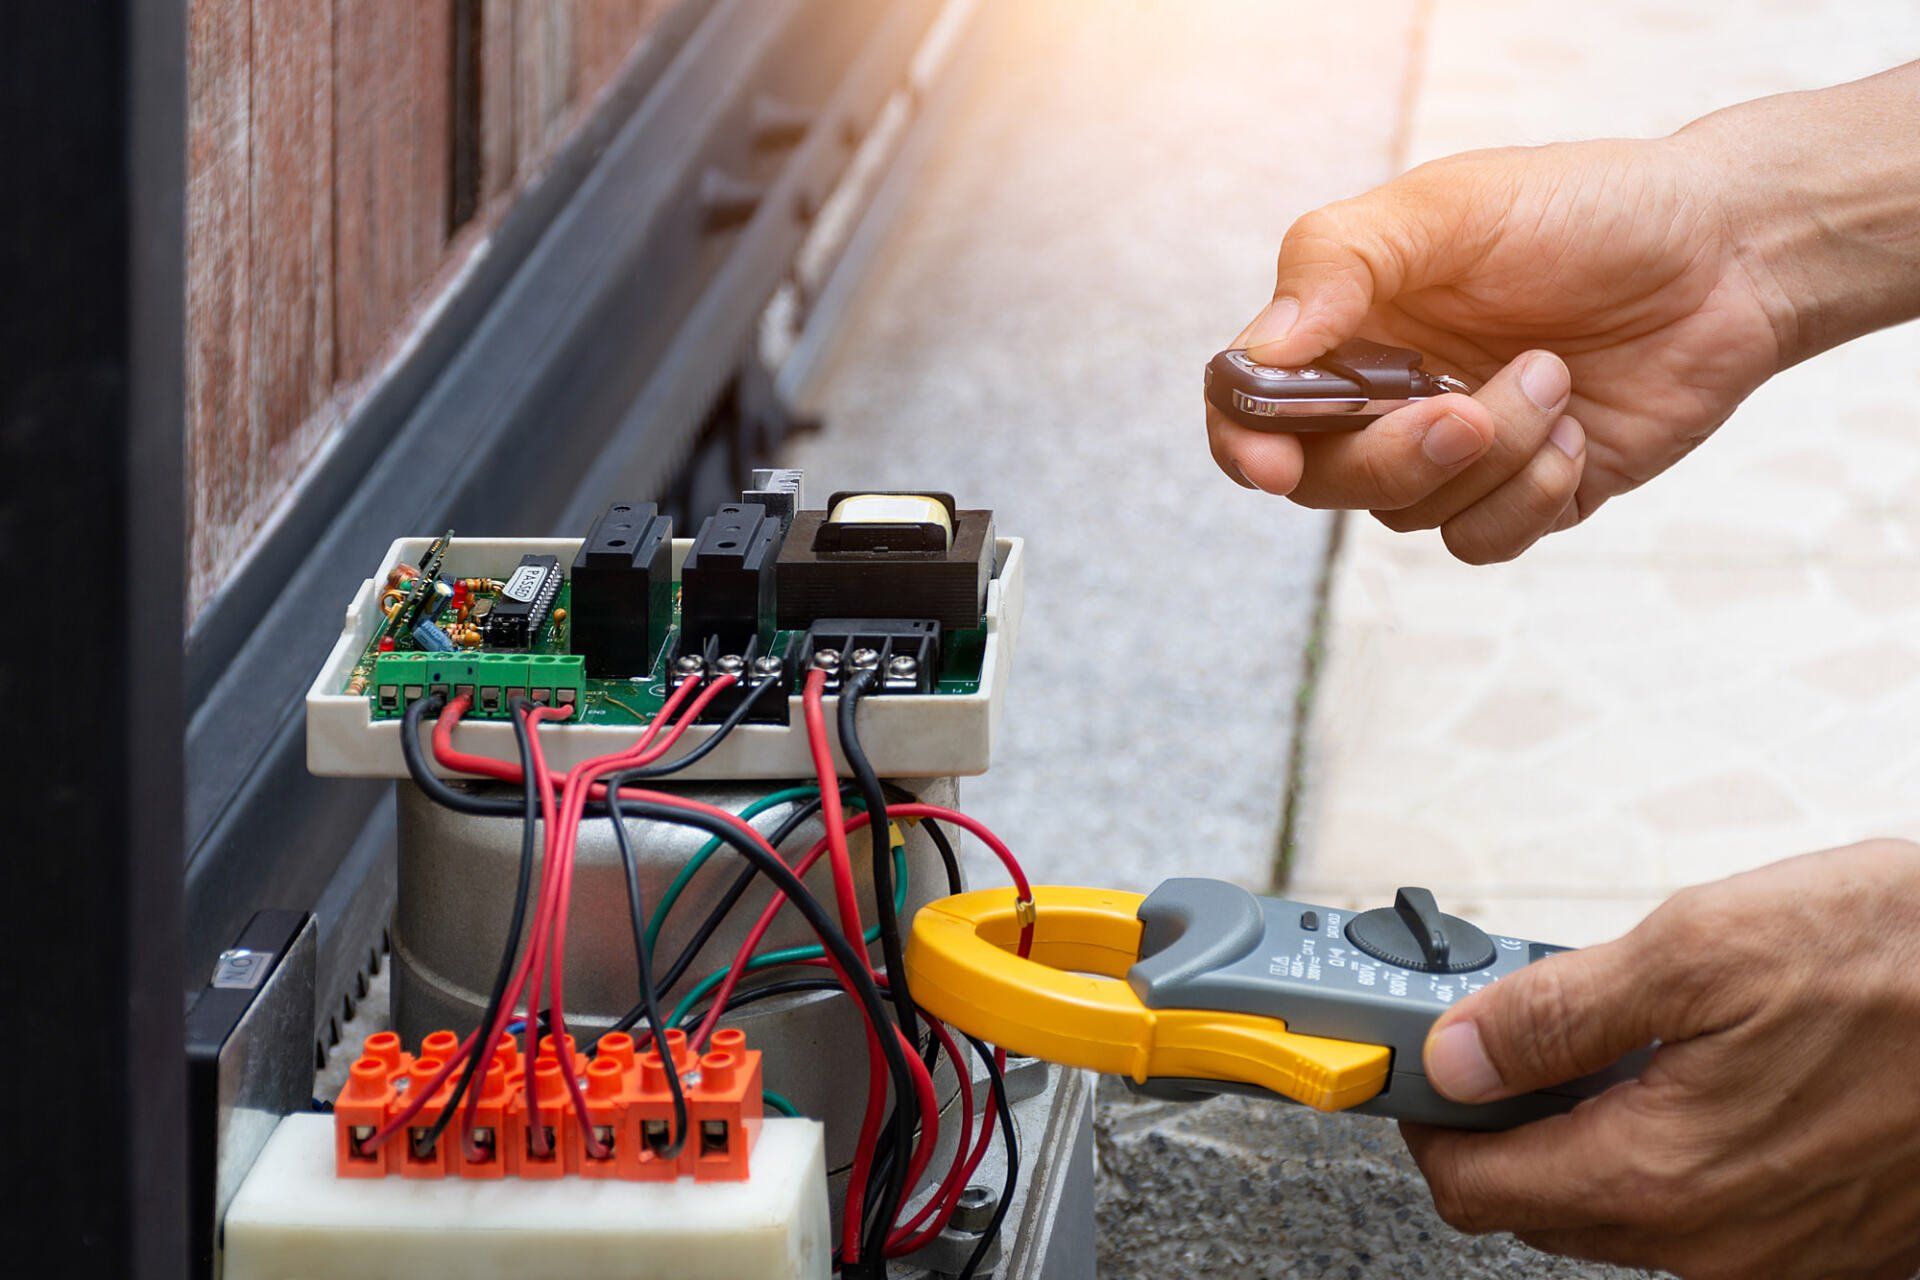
x=1718 y=671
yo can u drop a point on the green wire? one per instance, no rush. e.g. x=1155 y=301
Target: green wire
x=793 y=955
x=779 y=1103
x=791 y=795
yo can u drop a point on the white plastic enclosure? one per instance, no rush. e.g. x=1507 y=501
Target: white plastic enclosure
x=295 y=1219
x=905 y=735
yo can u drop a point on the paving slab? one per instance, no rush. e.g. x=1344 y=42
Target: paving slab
x=1253 y=1190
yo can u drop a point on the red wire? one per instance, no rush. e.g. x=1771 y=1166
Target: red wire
x=942 y=1202
x=579 y=782
x=453 y=711
x=841 y=864
x=1023 y=891
x=563 y=847
x=552 y=868
x=582 y=783
x=831 y=813
x=504 y=771
x=549 y=929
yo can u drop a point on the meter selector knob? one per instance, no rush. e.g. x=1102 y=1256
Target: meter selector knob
x=1414 y=934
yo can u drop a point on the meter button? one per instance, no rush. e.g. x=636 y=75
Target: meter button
x=1310 y=921
x=1414 y=934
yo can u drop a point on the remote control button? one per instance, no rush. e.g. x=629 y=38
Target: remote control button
x=1414 y=934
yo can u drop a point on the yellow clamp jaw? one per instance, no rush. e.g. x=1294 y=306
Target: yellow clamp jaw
x=1068 y=1002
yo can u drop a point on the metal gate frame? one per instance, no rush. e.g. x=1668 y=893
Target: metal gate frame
x=621 y=297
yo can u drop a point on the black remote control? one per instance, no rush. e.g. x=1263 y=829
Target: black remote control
x=1344 y=390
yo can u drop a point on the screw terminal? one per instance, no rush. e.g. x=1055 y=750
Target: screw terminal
x=629 y=1107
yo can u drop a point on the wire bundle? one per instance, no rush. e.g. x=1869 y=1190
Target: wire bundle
x=903 y=1045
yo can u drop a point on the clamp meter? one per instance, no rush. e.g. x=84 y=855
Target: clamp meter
x=1225 y=992
x=1344 y=390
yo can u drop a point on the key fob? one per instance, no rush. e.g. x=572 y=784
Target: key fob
x=1344 y=390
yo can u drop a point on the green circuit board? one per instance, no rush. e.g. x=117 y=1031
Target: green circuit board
x=387 y=677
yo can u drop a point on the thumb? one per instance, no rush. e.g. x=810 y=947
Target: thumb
x=1335 y=264
x=1560 y=1018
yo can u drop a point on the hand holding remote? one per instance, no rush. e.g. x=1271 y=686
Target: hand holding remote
x=1617 y=300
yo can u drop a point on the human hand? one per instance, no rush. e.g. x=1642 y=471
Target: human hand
x=1776 y=1131
x=1615 y=257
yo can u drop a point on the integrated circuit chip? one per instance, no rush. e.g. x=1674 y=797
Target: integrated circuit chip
x=521 y=609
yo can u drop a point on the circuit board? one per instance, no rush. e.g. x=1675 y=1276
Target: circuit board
x=616 y=702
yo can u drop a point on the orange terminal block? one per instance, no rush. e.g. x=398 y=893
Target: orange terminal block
x=385 y=1047
x=420 y=1158
x=488 y=1156
x=724 y=1110
x=363 y=1106
x=543 y=1138
x=650 y=1121
x=549 y=1048
x=607 y=1113
x=506 y=1052
x=618 y=1047
x=629 y=1107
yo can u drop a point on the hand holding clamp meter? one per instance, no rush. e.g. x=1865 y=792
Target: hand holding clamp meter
x=1227 y=992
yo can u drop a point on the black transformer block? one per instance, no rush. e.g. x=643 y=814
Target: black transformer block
x=829 y=570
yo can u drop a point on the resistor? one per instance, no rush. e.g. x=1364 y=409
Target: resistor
x=482 y=584
x=358 y=684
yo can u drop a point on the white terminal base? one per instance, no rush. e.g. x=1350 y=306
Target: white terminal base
x=906 y=736
x=293 y=1219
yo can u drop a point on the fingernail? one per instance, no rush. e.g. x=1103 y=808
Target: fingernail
x=1274 y=323
x=1567 y=437
x=1545 y=380
x=1458 y=1065
x=1450 y=441
x=1240 y=477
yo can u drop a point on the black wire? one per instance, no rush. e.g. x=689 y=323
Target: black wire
x=725 y=727
x=438 y=789
x=881 y=849
x=945 y=847
x=999 y=1086
x=443 y=793
x=717 y=916
x=905 y=1120
x=852 y=962
x=410 y=729
x=754 y=995
x=735 y=891
x=649 y=999
x=893 y=1186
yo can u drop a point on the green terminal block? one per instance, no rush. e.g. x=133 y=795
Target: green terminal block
x=493 y=680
